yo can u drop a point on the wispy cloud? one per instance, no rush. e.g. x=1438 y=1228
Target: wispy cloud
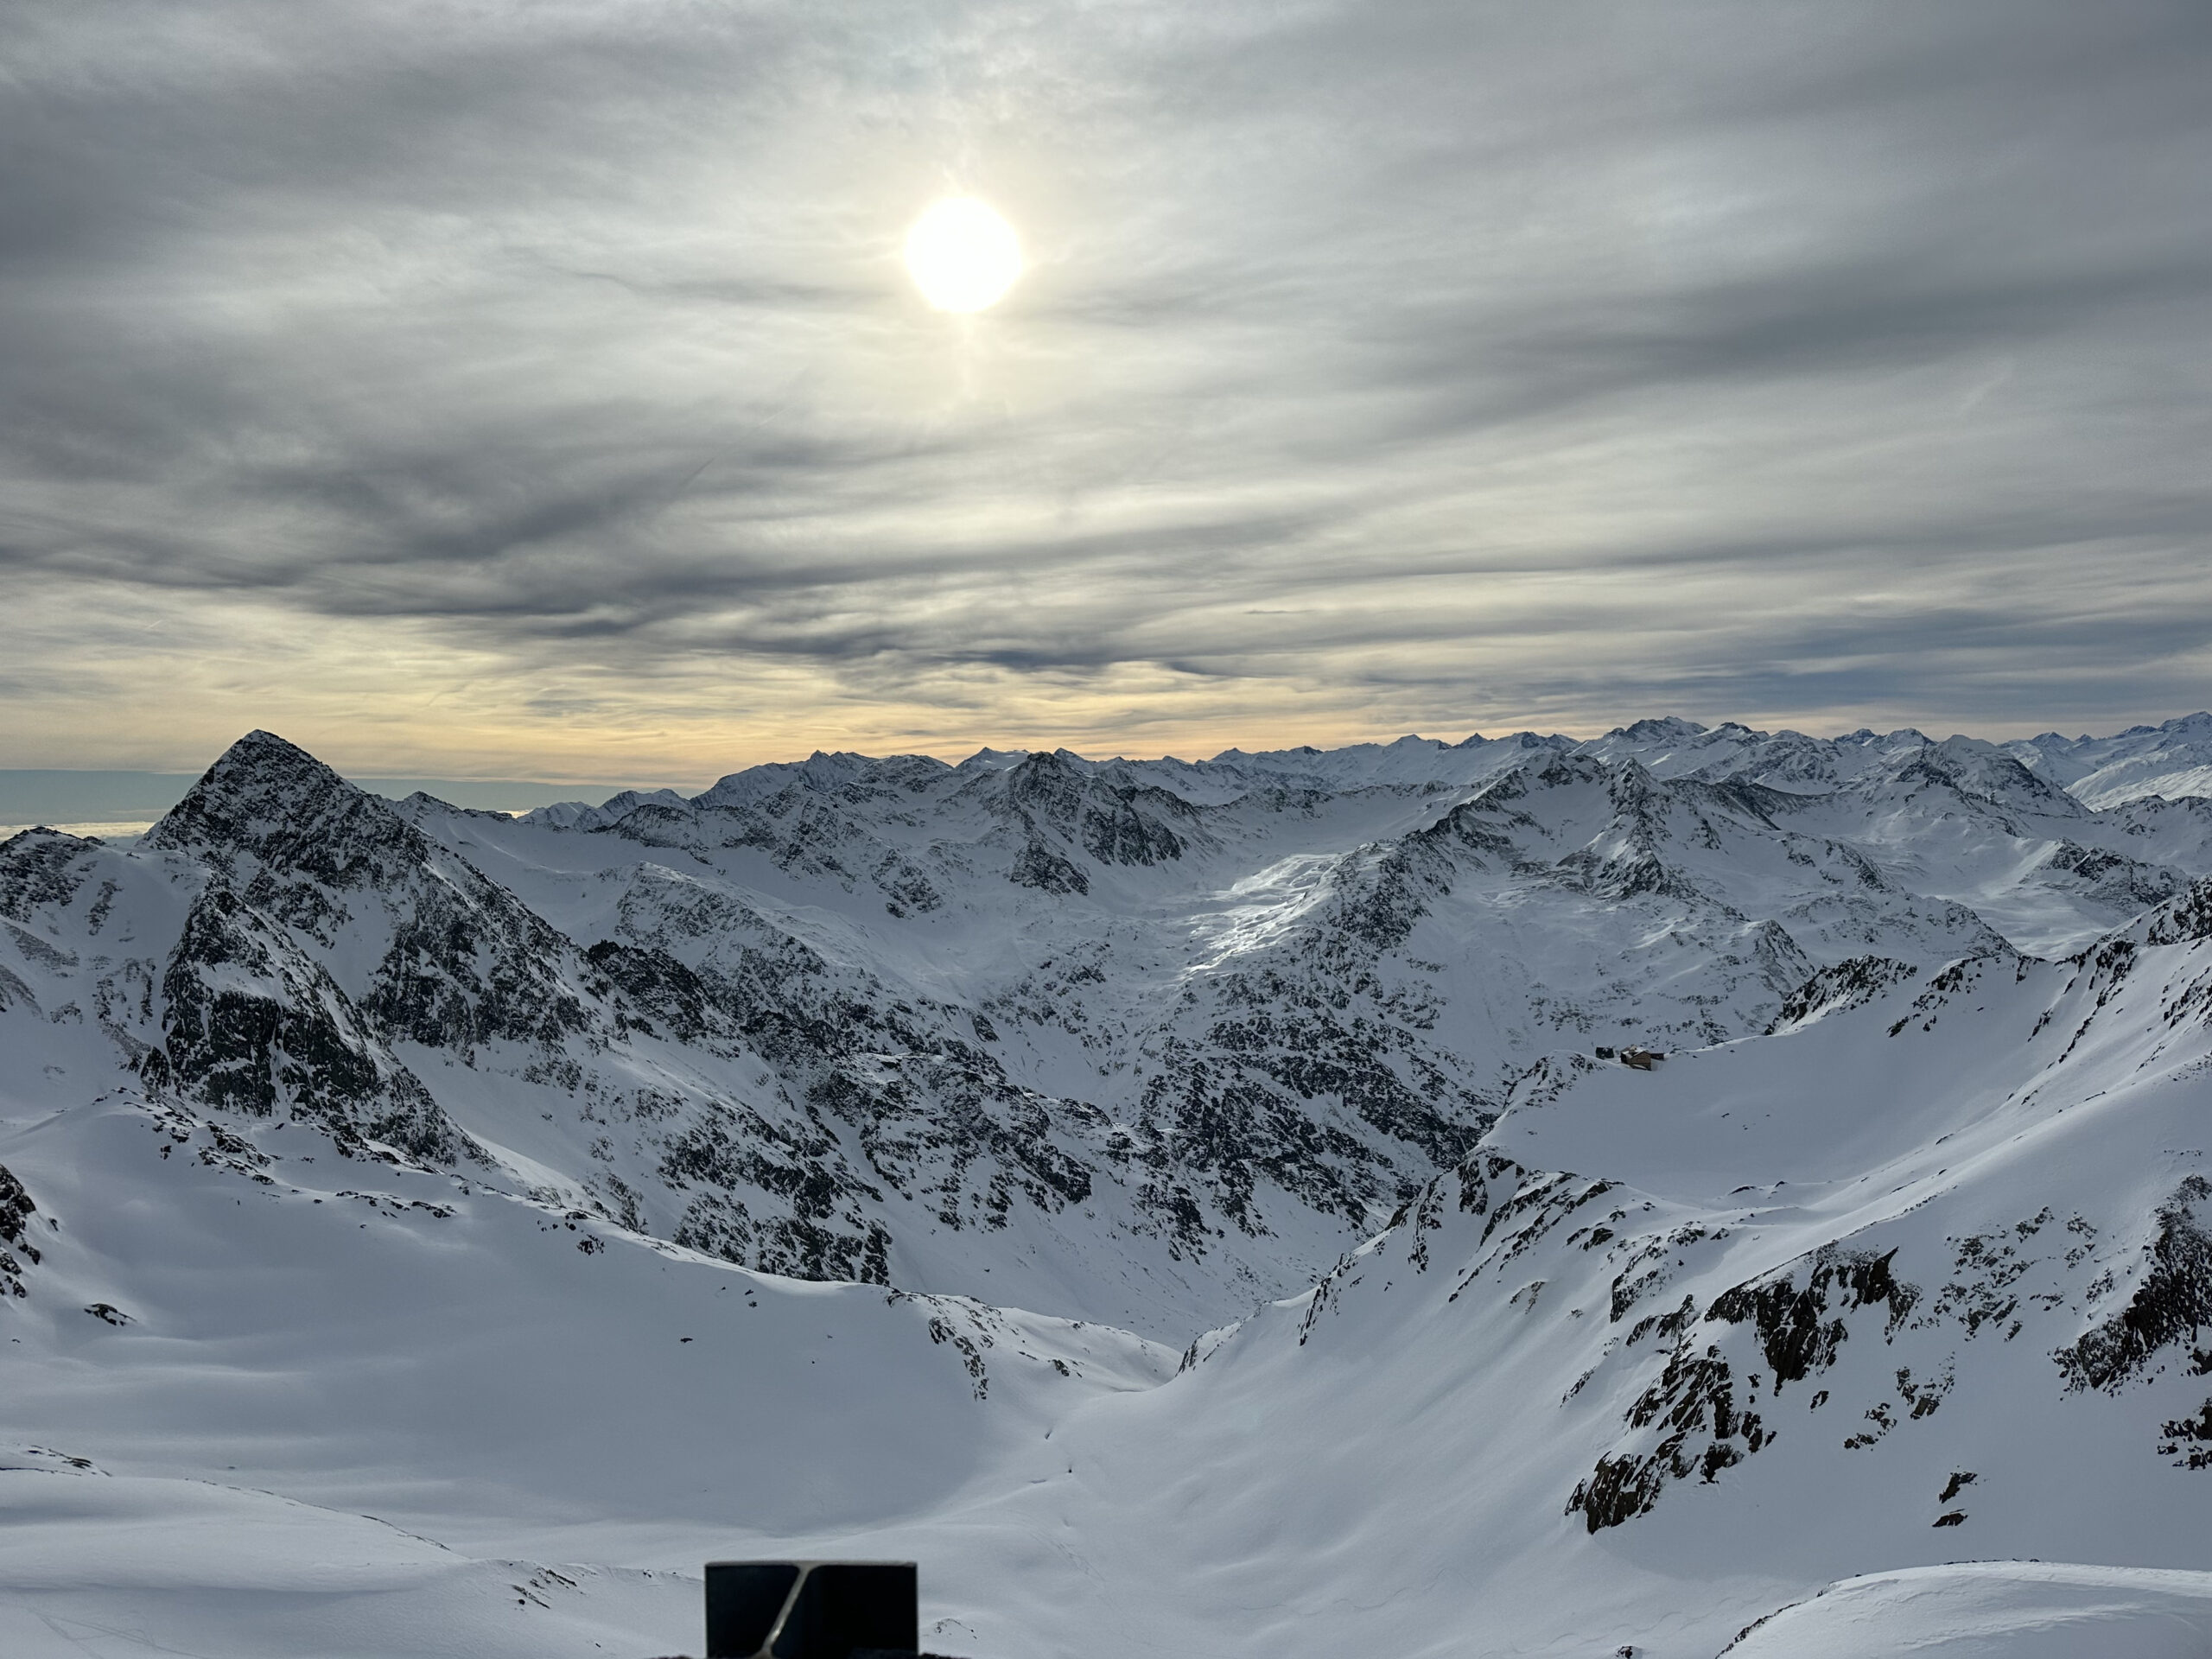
x=537 y=382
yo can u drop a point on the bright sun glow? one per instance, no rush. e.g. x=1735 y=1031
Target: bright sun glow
x=963 y=255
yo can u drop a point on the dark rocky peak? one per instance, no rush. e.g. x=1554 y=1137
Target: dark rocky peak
x=1231 y=757
x=663 y=807
x=914 y=773
x=1643 y=804
x=463 y=962
x=267 y=804
x=1622 y=859
x=1840 y=987
x=1867 y=738
x=584 y=817
x=563 y=815
x=1634 y=790
x=17 y=1209
x=1114 y=821
x=657 y=824
x=1478 y=827
x=1790 y=760
x=1537 y=770
x=1665 y=729
x=252 y=1023
x=2181 y=920
x=1058 y=805
x=844 y=775
x=2197 y=724
x=1518 y=740
x=1981 y=773
x=631 y=799
x=42 y=869
x=1735 y=797
x=1496 y=792
x=422 y=803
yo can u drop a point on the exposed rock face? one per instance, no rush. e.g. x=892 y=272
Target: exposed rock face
x=461 y=962
x=16 y=1246
x=1901 y=1255
x=1154 y=1030
x=252 y=1024
x=2171 y=1304
x=1846 y=985
x=1975 y=1264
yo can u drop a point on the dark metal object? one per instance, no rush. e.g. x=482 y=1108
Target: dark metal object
x=811 y=1610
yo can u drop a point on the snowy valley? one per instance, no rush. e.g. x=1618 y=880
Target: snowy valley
x=1181 y=1204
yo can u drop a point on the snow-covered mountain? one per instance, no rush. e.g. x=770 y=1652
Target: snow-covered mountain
x=437 y=1165
x=1926 y=1277
x=2173 y=761
x=1142 y=1042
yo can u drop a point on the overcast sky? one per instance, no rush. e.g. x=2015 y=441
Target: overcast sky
x=535 y=389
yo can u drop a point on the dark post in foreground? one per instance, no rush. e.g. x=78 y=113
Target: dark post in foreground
x=812 y=1610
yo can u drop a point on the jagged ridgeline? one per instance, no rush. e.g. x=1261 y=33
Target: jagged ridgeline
x=1142 y=1041
x=1926 y=1275
x=1900 y=1255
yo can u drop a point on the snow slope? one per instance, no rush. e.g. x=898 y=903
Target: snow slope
x=1923 y=1279
x=1039 y=1027
x=2173 y=759
x=207 y=1327
x=99 y=1566
x=1926 y=1277
x=360 y=1163
x=1996 y=1609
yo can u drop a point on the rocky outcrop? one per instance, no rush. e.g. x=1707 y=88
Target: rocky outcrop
x=2171 y=1306
x=17 y=1252
x=252 y=1024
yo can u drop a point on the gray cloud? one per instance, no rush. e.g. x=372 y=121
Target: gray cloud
x=1443 y=364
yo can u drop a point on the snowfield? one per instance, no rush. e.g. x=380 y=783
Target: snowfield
x=1181 y=1204
x=1996 y=1609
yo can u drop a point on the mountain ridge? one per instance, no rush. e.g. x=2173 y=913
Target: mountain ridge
x=806 y=1018
x=563 y=1186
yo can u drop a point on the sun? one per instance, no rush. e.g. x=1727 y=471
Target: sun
x=963 y=255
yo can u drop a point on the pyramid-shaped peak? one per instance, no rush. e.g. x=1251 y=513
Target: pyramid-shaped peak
x=272 y=799
x=259 y=747
x=261 y=762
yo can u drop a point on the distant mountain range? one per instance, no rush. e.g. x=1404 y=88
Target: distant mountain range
x=1915 y=1198
x=2172 y=759
x=57 y=797
x=1146 y=1041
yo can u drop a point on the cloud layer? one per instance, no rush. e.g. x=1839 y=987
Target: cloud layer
x=537 y=385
